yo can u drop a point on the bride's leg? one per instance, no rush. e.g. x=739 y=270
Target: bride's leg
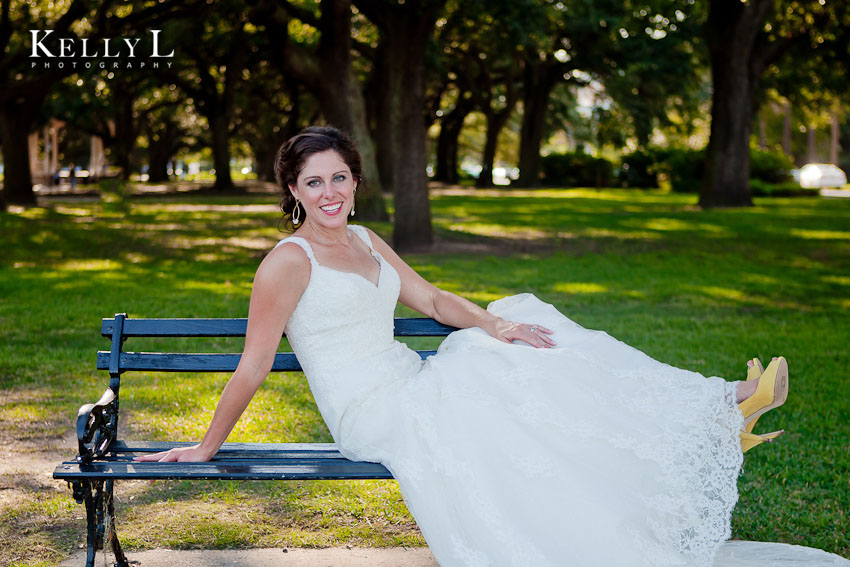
x=746 y=389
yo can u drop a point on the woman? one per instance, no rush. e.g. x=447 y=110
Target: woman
x=527 y=439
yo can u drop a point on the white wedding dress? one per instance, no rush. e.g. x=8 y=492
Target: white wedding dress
x=588 y=454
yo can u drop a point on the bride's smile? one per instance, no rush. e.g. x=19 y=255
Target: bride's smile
x=325 y=187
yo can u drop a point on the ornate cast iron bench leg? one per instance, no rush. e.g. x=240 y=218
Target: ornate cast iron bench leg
x=100 y=519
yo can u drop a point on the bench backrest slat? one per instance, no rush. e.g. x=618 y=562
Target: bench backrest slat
x=197 y=362
x=121 y=327
x=404 y=327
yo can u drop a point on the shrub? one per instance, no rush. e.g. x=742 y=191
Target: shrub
x=638 y=169
x=770 y=167
x=115 y=193
x=760 y=188
x=577 y=170
x=642 y=167
x=684 y=168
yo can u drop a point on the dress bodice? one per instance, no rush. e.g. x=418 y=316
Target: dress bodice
x=342 y=332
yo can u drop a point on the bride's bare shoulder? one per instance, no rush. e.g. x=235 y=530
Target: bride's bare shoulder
x=286 y=262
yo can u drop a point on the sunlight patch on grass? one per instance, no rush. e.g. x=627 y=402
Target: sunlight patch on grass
x=840 y=280
x=820 y=234
x=482 y=297
x=89 y=265
x=724 y=293
x=218 y=287
x=682 y=225
x=72 y=211
x=499 y=231
x=251 y=243
x=198 y=207
x=579 y=288
x=22 y=413
x=621 y=234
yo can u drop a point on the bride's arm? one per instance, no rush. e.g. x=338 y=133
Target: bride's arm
x=451 y=309
x=280 y=280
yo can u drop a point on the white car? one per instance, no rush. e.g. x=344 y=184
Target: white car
x=822 y=175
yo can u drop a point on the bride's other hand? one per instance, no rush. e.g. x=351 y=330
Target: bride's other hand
x=535 y=335
x=193 y=454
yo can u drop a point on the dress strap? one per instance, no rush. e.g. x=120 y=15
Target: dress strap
x=303 y=244
x=362 y=233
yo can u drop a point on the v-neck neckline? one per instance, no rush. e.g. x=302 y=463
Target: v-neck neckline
x=372 y=253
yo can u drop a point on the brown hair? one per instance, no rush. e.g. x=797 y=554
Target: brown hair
x=293 y=154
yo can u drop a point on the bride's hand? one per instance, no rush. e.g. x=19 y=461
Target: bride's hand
x=193 y=454
x=535 y=335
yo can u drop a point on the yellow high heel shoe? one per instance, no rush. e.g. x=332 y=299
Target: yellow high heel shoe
x=756 y=370
x=771 y=392
x=750 y=440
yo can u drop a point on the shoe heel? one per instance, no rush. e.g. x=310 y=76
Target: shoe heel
x=750 y=440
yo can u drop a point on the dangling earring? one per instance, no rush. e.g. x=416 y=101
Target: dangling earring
x=296 y=213
x=352 y=198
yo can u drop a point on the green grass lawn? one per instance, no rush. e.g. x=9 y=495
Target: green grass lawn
x=704 y=290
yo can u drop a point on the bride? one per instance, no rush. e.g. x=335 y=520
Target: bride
x=527 y=439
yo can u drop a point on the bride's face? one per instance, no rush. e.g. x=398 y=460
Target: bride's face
x=325 y=188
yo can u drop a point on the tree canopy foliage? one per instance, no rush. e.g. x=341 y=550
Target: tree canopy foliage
x=603 y=76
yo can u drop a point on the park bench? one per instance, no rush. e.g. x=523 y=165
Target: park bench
x=105 y=458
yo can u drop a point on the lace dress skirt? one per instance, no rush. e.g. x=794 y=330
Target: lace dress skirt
x=590 y=453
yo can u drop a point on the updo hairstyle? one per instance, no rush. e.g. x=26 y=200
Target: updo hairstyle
x=293 y=154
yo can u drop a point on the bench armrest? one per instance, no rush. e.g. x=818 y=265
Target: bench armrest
x=97 y=427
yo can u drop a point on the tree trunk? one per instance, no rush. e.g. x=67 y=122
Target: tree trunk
x=495 y=122
x=811 y=139
x=405 y=32
x=264 y=156
x=762 y=133
x=727 y=171
x=160 y=150
x=731 y=30
x=344 y=106
x=451 y=125
x=383 y=97
x=15 y=122
x=220 y=149
x=158 y=157
x=786 y=131
x=833 y=139
x=538 y=81
x=125 y=133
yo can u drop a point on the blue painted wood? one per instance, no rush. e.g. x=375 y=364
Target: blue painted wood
x=404 y=327
x=266 y=468
x=199 y=362
x=281 y=450
x=117 y=341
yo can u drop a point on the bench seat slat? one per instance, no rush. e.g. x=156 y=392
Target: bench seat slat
x=244 y=469
x=404 y=327
x=298 y=449
x=238 y=450
x=198 y=362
